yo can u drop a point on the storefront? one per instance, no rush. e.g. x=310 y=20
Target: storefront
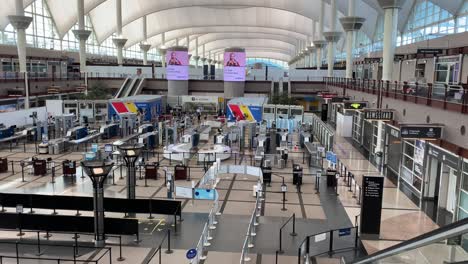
x=392 y=153
x=463 y=198
x=443 y=176
x=412 y=167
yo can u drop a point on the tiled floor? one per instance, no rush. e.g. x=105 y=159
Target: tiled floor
x=401 y=218
x=316 y=212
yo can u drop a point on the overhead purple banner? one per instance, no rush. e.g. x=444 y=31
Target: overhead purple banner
x=234 y=66
x=177 y=65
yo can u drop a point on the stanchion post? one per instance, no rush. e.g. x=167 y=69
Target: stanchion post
x=169 y=250
x=38 y=244
x=120 y=258
x=294 y=225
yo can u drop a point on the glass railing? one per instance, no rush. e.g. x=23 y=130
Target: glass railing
x=448 y=244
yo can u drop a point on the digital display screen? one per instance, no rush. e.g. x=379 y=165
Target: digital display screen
x=177 y=65
x=234 y=66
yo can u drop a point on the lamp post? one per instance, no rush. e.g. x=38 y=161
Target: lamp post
x=97 y=171
x=130 y=153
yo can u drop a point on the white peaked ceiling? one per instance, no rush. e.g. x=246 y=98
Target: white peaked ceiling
x=275 y=24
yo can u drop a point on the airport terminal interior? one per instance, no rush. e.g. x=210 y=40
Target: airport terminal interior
x=233 y=131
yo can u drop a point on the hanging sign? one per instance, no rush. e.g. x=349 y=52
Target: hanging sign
x=355 y=105
x=421 y=131
x=430 y=51
x=378 y=114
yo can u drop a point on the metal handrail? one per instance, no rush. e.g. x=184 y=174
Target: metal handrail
x=445 y=232
x=251 y=230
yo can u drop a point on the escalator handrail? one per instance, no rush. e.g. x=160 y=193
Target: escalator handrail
x=122 y=88
x=450 y=230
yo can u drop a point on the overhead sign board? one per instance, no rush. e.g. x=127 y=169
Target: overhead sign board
x=372 y=60
x=421 y=131
x=355 y=105
x=328 y=95
x=378 y=114
x=398 y=57
x=443 y=156
x=430 y=51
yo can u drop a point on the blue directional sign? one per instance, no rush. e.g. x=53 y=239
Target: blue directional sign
x=331 y=156
x=344 y=232
x=191 y=253
x=205 y=194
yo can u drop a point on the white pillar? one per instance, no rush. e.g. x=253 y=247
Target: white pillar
x=177 y=41
x=162 y=50
x=119 y=41
x=331 y=44
x=197 y=57
x=82 y=35
x=320 y=34
x=187 y=41
x=21 y=22
x=389 y=42
x=351 y=24
x=144 y=46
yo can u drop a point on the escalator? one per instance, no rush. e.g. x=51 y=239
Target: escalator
x=130 y=87
x=123 y=88
x=448 y=244
x=137 y=87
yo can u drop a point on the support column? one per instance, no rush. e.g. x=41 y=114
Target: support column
x=351 y=24
x=332 y=38
x=177 y=87
x=234 y=89
x=162 y=51
x=312 y=50
x=119 y=41
x=391 y=8
x=82 y=35
x=320 y=42
x=196 y=57
x=144 y=46
x=21 y=22
x=319 y=45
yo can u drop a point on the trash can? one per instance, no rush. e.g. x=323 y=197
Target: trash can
x=69 y=168
x=39 y=167
x=297 y=174
x=266 y=171
x=331 y=178
x=151 y=171
x=3 y=165
x=180 y=172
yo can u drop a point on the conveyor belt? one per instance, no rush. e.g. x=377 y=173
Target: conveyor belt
x=85 y=139
x=17 y=136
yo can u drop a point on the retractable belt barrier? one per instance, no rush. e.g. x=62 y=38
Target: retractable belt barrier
x=117 y=205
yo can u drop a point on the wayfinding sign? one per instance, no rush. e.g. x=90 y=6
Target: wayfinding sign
x=421 y=131
x=378 y=114
x=371 y=206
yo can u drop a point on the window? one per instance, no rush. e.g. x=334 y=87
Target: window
x=462 y=20
x=427 y=21
x=42 y=34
